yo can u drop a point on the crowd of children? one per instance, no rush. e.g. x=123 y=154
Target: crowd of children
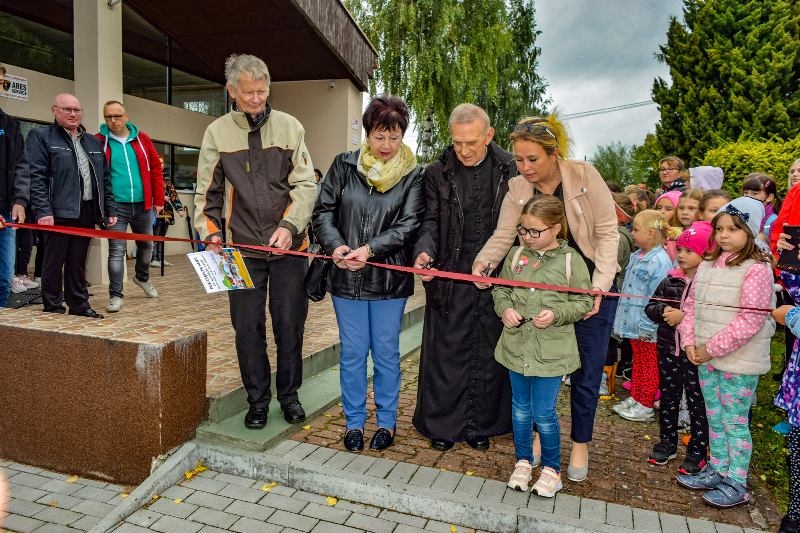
x=697 y=290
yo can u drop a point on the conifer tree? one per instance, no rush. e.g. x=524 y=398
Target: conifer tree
x=734 y=66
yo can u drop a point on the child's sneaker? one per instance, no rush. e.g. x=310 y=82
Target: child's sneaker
x=727 y=494
x=521 y=477
x=706 y=479
x=548 y=484
x=28 y=282
x=624 y=404
x=693 y=464
x=663 y=452
x=603 y=385
x=638 y=413
x=17 y=286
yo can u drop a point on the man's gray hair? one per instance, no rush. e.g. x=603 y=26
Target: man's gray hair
x=466 y=113
x=238 y=64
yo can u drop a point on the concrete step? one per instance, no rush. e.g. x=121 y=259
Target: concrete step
x=319 y=392
x=232 y=403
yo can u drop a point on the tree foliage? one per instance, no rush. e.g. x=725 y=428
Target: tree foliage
x=738 y=159
x=436 y=54
x=613 y=161
x=644 y=162
x=734 y=66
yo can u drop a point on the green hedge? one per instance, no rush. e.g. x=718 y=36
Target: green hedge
x=739 y=159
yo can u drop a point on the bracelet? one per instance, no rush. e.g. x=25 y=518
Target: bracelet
x=370 y=253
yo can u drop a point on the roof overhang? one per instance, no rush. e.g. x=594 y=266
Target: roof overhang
x=298 y=39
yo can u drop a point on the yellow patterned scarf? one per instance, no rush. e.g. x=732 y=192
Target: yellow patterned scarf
x=384 y=176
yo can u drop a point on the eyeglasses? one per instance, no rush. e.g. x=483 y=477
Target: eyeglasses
x=70 y=110
x=113 y=117
x=536 y=129
x=535 y=233
x=668 y=169
x=5 y=84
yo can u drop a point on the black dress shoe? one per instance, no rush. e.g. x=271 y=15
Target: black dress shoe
x=89 y=313
x=381 y=440
x=441 y=445
x=479 y=444
x=293 y=412
x=354 y=440
x=256 y=417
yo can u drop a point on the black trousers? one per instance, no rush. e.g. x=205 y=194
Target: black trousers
x=676 y=374
x=288 y=308
x=64 y=263
x=794 y=473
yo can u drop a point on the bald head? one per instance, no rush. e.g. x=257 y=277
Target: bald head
x=67 y=111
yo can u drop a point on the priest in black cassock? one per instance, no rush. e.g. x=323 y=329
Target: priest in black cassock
x=463 y=393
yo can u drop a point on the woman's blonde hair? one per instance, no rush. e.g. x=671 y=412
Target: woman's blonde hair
x=549 y=209
x=650 y=219
x=549 y=132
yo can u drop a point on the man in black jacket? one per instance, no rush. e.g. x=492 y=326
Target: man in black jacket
x=14 y=190
x=463 y=393
x=70 y=186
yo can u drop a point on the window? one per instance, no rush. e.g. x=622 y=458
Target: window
x=36 y=47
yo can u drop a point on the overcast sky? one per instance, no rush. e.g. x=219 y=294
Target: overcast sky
x=598 y=54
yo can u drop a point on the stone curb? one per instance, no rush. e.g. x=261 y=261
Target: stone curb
x=292 y=464
x=163 y=477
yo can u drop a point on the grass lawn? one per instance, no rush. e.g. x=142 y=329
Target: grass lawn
x=770 y=448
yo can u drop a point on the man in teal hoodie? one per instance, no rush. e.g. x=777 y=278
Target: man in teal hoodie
x=137 y=183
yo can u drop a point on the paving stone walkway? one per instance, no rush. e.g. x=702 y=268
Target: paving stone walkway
x=214 y=502
x=620 y=473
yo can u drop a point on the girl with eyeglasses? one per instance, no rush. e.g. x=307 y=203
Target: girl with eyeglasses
x=538 y=344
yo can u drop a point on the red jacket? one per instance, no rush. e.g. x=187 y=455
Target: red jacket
x=790 y=214
x=149 y=168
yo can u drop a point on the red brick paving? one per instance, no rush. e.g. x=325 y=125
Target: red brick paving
x=619 y=472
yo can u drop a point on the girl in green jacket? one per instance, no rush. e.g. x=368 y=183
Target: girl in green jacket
x=538 y=344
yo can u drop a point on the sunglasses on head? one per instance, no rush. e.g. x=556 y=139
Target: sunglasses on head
x=535 y=129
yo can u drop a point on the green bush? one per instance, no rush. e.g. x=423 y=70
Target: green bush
x=738 y=159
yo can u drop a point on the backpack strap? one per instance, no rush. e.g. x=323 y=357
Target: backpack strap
x=515 y=259
x=569 y=267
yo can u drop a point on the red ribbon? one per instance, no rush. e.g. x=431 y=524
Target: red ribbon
x=124 y=235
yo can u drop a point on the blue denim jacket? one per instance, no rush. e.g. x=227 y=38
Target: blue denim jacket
x=642 y=277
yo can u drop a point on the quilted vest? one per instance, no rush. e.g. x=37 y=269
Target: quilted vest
x=723 y=286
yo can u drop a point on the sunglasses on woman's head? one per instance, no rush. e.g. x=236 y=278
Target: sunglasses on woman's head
x=535 y=129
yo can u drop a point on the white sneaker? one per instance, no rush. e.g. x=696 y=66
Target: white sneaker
x=28 y=282
x=624 y=404
x=638 y=413
x=114 y=304
x=548 y=484
x=17 y=286
x=167 y=263
x=155 y=263
x=603 y=385
x=147 y=287
x=521 y=477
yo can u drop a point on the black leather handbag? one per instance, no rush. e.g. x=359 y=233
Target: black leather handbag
x=318 y=279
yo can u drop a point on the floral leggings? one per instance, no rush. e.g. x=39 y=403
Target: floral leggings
x=728 y=397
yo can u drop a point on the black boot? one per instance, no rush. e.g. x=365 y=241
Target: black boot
x=789 y=526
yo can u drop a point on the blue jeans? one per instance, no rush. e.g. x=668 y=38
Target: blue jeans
x=364 y=326
x=592 y=336
x=140 y=221
x=533 y=400
x=8 y=256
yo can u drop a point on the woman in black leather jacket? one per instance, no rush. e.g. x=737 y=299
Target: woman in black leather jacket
x=369 y=208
